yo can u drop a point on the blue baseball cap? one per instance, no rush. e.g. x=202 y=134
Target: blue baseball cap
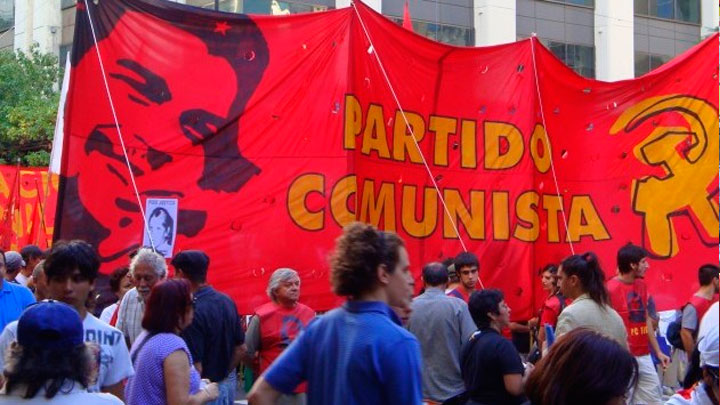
x=50 y=324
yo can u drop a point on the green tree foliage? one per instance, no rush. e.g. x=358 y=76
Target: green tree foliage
x=29 y=96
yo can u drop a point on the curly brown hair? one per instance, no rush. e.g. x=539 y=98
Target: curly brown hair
x=358 y=253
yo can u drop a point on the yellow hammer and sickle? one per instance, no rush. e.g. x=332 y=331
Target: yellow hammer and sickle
x=688 y=176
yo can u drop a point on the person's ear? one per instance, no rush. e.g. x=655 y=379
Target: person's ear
x=382 y=274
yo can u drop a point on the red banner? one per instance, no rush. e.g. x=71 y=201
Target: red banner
x=257 y=138
x=25 y=199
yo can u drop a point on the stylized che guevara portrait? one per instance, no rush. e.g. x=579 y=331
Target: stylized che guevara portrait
x=180 y=84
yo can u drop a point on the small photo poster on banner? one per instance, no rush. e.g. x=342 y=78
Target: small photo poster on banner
x=162 y=224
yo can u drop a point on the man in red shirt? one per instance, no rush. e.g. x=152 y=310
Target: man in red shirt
x=277 y=323
x=466 y=267
x=629 y=297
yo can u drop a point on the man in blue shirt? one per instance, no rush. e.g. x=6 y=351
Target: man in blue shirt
x=357 y=354
x=13 y=297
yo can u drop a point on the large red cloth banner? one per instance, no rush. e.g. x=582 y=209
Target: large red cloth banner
x=27 y=206
x=257 y=138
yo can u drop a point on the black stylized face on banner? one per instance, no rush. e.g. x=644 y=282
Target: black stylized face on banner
x=179 y=88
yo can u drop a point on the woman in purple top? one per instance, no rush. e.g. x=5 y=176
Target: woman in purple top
x=164 y=372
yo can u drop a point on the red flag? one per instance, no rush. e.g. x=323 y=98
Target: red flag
x=407 y=22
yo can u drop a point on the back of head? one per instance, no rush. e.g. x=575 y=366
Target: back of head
x=30 y=252
x=435 y=274
x=148 y=257
x=359 y=251
x=13 y=262
x=39 y=270
x=587 y=269
x=466 y=259
x=65 y=257
x=707 y=273
x=582 y=367
x=50 y=350
x=483 y=302
x=167 y=306
x=193 y=264
x=628 y=255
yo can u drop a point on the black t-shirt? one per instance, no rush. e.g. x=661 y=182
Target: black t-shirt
x=213 y=333
x=485 y=359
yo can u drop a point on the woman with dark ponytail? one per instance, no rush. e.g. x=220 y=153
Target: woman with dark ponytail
x=581 y=279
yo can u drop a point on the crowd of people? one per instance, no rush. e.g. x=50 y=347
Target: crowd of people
x=178 y=340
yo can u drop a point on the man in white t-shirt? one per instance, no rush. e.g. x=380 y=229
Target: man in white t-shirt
x=71 y=270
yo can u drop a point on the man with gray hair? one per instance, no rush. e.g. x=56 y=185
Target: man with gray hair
x=146 y=268
x=276 y=324
x=442 y=324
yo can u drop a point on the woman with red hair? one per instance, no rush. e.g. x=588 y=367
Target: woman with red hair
x=164 y=372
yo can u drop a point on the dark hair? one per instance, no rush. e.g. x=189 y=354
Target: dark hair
x=30 y=252
x=582 y=367
x=435 y=274
x=47 y=368
x=2 y=254
x=66 y=256
x=708 y=272
x=116 y=278
x=628 y=255
x=358 y=253
x=167 y=306
x=587 y=269
x=167 y=223
x=484 y=301
x=551 y=268
x=464 y=259
x=193 y=264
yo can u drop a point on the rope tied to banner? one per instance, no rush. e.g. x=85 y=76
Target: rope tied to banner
x=374 y=51
x=547 y=140
x=117 y=127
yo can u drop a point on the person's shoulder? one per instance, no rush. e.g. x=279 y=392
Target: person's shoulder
x=10 y=330
x=613 y=284
x=20 y=289
x=100 y=398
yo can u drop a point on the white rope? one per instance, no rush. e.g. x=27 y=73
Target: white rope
x=547 y=140
x=117 y=126
x=410 y=129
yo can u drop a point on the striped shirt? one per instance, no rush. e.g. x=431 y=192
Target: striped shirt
x=130 y=315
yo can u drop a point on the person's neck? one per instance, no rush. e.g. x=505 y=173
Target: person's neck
x=627 y=277
x=378 y=294
x=82 y=311
x=494 y=325
x=288 y=304
x=706 y=291
x=466 y=289
x=195 y=287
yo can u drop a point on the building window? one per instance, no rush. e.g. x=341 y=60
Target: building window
x=588 y=3
x=448 y=34
x=579 y=58
x=267 y=7
x=679 y=10
x=7 y=14
x=64 y=54
x=645 y=62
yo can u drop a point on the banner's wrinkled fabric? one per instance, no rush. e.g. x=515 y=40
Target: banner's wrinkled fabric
x=274 y=132
x=27 y=207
